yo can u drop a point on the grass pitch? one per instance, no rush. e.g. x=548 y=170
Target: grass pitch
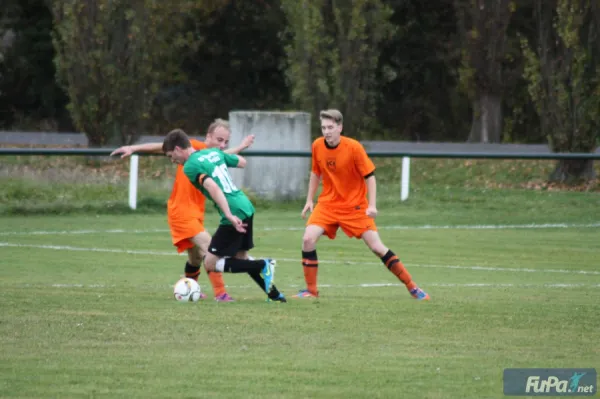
x=511 y=263
x=87 y=307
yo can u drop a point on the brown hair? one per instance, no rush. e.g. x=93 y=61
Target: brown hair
x=176 y=138
x=217 y=123
x=332 y=114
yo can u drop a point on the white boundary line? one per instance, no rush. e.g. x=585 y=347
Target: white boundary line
x=80 y=232
x=164 y=253
x=82 y=249
x=392 y=227
x=365 y=285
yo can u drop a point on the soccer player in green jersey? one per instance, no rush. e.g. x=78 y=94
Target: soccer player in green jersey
x=229 y=246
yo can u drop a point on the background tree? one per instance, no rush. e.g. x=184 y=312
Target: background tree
x=333 y=54
x=482 y=27
x=521 y=123
x=112 y=56
x=564 y=80
x=417 y=75
x=29 y=95
x=398 y=69
x=236 y=63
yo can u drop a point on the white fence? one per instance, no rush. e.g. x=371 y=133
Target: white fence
x=405 y=173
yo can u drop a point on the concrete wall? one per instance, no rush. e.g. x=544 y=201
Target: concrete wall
x=273 y=177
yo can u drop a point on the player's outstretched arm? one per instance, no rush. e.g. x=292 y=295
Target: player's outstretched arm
x=127 y=150
x=246 y=142
x=241 y=162
x=234 y=161
x=219 y=197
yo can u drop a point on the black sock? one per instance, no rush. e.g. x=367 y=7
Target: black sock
x=310 y=259
x=389 y=259
x=273 y=294
x=233 y=265
x=192 y=271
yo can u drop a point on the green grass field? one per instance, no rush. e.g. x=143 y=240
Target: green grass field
x=512 y=264
x=87 y=307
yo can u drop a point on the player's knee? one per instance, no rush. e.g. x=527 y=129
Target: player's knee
x=210 y=263
x=201 y=241
x=309 y=242
x=209 y=268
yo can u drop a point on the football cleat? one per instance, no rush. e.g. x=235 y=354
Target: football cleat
x=224 y=298
x=280 y=298
x=419 y=294
x=306 y=294
x=268 y=273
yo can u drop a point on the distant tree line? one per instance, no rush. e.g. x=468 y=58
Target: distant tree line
x=513 y=71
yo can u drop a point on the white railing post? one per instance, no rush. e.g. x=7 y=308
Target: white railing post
x=133 y=181
x=405 y=183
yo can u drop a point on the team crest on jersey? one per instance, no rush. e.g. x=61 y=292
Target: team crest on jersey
x=331 y=164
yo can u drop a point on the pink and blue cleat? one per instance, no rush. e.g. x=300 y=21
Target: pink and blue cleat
x=224 y=298
x=419 y=294
x=306 y=294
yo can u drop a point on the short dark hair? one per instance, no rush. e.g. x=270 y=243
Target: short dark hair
x=176 y=138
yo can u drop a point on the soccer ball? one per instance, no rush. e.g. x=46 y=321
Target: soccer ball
x=186 y=290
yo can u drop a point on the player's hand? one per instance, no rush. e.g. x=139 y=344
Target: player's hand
x=308 y=207
x=248 y=141
x=372 y=212
x=237 y=223
x=125 y=151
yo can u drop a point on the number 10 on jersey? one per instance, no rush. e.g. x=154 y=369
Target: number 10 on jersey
x=222 y=174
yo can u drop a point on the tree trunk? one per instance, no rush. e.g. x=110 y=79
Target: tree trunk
x=95 y=141
x=487 y=119
x=109 y=137
x=573 y=170
x=475 y=133
x=113 y=139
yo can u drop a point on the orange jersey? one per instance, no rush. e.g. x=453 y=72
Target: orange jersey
x=342 y=170
x=186 y=202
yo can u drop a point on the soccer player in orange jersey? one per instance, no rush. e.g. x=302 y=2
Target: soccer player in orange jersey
x=186 y=205
x=347 y=201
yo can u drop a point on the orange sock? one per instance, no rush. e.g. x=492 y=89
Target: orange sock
x=216 y=279
x=391 y=261
x=310 y=264
x=310 y=276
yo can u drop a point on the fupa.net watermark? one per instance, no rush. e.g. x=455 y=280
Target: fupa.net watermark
x=550 y=382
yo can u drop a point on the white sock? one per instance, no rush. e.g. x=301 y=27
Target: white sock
x=220 y=266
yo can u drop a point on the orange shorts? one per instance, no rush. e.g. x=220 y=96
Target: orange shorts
x=184 y=229
x=353 y=224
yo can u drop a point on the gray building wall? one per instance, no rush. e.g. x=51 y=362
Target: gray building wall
x=273 y=177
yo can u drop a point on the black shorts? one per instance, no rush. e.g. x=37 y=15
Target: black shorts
x=227 y=241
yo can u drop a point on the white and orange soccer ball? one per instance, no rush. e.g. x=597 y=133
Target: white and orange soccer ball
x=187 y=290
